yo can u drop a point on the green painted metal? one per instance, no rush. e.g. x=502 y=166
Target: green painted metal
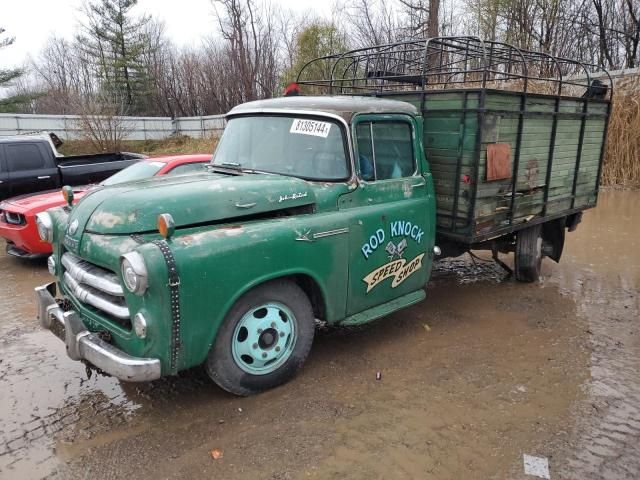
x=388 y=212
x=451 y=136
x=385 y=309
x=264 y=338
x=113 y=212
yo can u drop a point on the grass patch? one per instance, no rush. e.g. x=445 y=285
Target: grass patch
x=622 y=159
x=170 y=146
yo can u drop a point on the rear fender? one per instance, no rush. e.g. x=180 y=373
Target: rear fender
x=553 y=234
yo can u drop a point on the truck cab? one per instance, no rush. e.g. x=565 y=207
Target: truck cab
x=367 y=153
x=27 y=164
x=31 y=163
x=314 y=208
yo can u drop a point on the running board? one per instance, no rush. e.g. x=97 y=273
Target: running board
x=385 y=309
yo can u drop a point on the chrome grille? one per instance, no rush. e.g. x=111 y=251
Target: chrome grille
x=94 y=286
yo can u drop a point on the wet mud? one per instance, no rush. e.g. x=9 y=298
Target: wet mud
x=482 y=372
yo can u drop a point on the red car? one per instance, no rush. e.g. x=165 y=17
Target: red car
x=18 y=214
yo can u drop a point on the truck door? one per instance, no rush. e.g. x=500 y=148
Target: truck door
x=392 y=229
x=31 y=167
x=4 y=176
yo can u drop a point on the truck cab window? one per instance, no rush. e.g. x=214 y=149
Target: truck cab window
x=385 y=150
x=24 y=157
x=365 y=151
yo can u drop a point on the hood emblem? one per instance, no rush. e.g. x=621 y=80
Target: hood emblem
x=73 y=227
x=293 y=196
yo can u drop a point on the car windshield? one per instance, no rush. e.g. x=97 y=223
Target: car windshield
x=309 y=148
x=137 y=171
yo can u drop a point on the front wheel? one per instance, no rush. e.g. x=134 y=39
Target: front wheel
x=264 y=340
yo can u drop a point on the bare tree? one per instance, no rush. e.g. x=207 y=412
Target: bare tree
x=249 y=41
x=630 y=31
x=101 y=124
x=373 y=22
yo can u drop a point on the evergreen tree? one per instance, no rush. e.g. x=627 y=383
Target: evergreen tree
x=115 y=42
x=7 y=76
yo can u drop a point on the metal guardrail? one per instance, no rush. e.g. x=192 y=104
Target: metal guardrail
x=69 y=127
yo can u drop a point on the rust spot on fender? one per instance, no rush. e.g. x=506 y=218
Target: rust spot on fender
x=108 y=220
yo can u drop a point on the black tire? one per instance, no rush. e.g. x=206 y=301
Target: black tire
x=528 y=254
x=220 y=364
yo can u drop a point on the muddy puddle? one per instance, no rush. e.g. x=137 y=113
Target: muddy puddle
x=482 y=372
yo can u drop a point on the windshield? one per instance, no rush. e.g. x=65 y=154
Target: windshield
x=295 y=146
x=133 y=172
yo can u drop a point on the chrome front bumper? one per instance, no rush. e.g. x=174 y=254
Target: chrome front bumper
x=84 y=345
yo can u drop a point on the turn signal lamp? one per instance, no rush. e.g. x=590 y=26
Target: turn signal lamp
x=67 y=193
x=166 y=225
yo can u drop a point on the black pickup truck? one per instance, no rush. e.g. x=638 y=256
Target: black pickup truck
x=32 y=164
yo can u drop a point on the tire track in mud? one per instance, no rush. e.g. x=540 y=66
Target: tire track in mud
x=607 y=436
x=600 y=270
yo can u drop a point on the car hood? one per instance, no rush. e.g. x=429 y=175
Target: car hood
x=39 y=202
x=192 y=200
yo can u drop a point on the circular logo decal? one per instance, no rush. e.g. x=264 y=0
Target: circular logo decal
x=73 y=227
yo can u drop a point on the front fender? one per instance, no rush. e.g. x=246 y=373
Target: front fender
x=218 y=266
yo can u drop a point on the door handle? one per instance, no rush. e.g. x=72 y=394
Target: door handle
x=245 y=205
x=44 y=177
x=418 y=185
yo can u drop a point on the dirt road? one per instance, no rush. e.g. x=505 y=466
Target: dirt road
x=484 y=371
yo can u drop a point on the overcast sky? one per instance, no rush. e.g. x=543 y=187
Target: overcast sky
x=31 y=22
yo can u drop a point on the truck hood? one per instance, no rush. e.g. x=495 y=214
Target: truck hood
x=191 y=200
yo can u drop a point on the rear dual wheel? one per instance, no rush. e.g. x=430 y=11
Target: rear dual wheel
x=264 y=340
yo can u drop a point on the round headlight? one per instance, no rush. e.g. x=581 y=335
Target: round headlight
x=129 y=276
x=45 y=227
x=140 y=325
x=134 y=272
x=51 y=265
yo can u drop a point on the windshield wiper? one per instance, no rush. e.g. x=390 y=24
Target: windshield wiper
x=239 y=167
x=229 y=168
x=233 y=168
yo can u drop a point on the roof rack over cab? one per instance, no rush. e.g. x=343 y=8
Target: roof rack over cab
x=452 y=62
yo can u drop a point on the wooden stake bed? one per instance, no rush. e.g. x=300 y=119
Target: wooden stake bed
x=513 y=137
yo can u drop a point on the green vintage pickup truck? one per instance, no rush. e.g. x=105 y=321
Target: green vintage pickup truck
x=327 y=207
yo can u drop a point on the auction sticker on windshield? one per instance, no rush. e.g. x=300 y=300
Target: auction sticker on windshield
x=310 y=127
